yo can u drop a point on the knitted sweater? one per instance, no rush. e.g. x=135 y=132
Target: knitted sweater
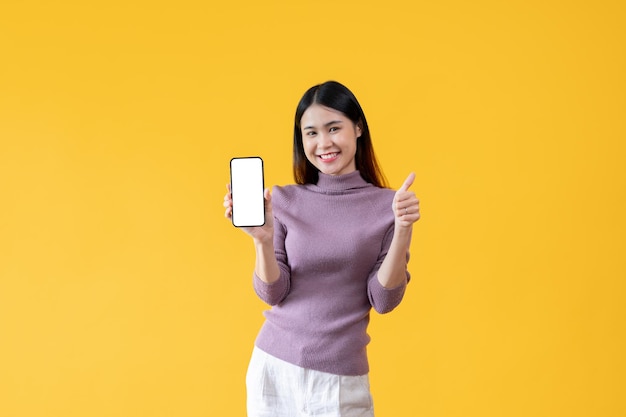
x=330 y=239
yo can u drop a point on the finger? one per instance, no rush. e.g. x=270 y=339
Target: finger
x=406 y=199
x=407 y=182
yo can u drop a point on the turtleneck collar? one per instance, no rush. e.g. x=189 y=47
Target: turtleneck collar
x=336 y=184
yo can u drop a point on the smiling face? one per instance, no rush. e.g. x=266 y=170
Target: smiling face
x=329 y=139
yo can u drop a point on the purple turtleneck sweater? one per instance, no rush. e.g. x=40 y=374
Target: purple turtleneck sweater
x=330 y=239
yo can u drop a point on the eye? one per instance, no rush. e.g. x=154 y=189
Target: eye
x=334 y=129
x=310 y=133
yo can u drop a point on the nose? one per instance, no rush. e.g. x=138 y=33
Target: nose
x=324 y=140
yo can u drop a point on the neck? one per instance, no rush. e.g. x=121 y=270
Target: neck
x=338 y=183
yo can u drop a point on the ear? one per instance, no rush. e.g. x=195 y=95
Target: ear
x=359 y=129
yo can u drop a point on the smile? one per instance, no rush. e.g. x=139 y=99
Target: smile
x=329 y=156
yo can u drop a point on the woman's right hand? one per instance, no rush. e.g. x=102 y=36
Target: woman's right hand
x=261 y=234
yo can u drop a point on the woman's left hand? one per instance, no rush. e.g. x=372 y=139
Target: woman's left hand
x=406 y=206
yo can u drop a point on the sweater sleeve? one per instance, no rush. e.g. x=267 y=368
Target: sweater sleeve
x=382 y=299
x=276 y=292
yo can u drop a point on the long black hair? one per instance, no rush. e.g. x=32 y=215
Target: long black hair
x=336 y=96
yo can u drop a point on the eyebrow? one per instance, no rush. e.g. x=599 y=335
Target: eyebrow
x=325 y=125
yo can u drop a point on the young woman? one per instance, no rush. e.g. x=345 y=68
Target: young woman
x=333 y=246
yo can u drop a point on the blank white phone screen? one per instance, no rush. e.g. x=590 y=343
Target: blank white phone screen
x=246 y=187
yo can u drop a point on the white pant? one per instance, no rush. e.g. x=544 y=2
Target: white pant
x=279 y=389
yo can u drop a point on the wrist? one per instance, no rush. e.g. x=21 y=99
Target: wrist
x=264 y=243
x=403 y=230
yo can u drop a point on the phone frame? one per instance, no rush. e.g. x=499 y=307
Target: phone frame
x=236 y=200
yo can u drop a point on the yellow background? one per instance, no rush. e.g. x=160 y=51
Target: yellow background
x=125 y=292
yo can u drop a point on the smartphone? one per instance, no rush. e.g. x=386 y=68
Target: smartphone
x=246 y=188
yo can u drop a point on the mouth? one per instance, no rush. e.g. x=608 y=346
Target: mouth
x=329 y=157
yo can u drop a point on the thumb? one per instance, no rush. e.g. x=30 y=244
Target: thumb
x=407 y=182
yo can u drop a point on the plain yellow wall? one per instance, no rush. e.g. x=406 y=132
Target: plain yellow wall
x=124 y=291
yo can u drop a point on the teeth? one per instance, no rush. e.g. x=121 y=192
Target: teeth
x=328 y=155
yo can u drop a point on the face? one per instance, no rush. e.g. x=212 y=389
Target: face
x=329 y=139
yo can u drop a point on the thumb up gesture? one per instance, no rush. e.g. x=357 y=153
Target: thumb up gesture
x=406 y=206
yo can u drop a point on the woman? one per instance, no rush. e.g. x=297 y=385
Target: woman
x=333 y=246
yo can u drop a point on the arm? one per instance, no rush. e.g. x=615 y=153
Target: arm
x=271 y=259
x=266 y=267
x=385 y=299
x=392 y=272
x=406 y=209
x=271 y=282
x=388 y=281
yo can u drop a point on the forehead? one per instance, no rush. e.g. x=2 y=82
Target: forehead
x=318 y=115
